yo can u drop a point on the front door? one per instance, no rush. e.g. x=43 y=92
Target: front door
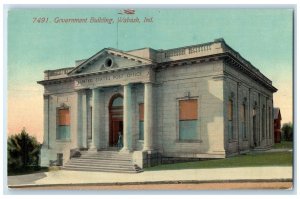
x=117 y=126
x=115 y=120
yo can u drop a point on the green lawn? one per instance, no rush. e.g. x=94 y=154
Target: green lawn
x=283 y=145
x=247 y=160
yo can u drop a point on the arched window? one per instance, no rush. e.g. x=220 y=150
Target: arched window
x=243 y=120
x=117 y=102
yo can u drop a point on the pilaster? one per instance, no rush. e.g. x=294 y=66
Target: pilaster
x=46 y=122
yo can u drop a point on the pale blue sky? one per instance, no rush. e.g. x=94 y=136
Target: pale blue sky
x=262 y=36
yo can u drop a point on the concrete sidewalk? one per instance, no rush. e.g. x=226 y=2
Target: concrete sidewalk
x=65 y=177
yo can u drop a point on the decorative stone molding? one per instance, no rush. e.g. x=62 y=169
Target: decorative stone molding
x=63 y=105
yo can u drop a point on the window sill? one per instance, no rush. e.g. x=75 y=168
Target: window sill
x=63 y=140
x=188 y=141
x=140 y=140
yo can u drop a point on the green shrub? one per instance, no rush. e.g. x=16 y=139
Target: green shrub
x=287 y=130
x=23 y=152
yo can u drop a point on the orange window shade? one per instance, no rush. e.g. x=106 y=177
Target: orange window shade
x=141 y=112
x=63 y=117
x=230 y=111
x=188 y=109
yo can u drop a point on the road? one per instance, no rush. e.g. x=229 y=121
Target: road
x=187 y=186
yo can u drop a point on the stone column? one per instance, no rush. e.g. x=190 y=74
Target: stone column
x=79 y=120
x=127 y=118
x=95 y=119
x=148 y=117
x=46 y=122
x=84 y=119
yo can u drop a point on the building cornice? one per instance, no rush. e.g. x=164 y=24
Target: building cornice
x=249 y=70
x=75 y=76
x=189 y=55
x=228 y=58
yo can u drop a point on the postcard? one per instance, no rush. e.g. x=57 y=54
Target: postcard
x=150 y=98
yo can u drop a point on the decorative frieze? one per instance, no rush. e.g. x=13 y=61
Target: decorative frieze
x=120 y=77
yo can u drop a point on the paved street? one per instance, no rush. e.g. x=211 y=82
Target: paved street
x=181 y=186
x=64 y=177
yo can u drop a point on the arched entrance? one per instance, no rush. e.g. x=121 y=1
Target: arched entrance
x=115 y=119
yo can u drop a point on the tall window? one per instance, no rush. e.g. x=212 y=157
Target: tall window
x=243 y=120
x=63 y=124
x=188 y=117
x=263 y=122
x=254 y=126
x=230 y=119
x=141 y=121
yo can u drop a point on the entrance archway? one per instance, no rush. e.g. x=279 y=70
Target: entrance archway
x=115 y=119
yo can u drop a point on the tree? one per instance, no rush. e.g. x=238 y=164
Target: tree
x=287 y=130
x=23 y=151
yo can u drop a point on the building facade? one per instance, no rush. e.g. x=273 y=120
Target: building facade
x=200 y=101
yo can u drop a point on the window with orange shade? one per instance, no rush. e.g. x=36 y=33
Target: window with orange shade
x=188 y=109
x=63 y=124
x=64 y=117
x=188 y=119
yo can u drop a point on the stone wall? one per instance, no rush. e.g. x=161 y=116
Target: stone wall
x=244 y=90
x=212 y=83
x=53 y=146
x=203 y=82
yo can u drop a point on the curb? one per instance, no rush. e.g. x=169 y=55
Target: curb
x=152 y=182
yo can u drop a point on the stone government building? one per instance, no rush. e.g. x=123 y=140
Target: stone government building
x=200 y=101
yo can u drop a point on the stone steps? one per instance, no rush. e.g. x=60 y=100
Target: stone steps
x=103 y=170
x=105 y=157
x=102 y=161
x=262 y=148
